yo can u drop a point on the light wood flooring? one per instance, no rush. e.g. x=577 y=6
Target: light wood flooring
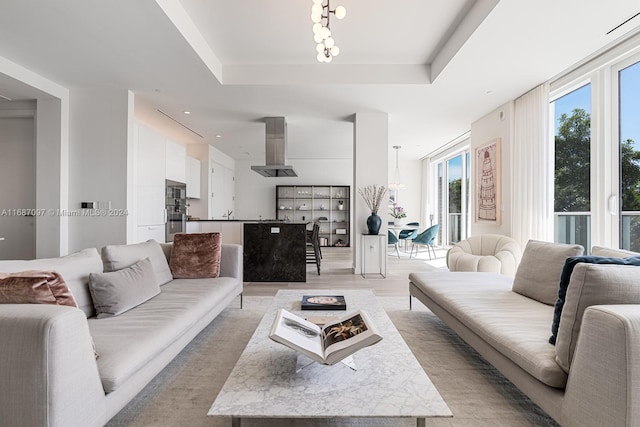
x=336 y=273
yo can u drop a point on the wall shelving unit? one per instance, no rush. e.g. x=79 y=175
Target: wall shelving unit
x=328 y=204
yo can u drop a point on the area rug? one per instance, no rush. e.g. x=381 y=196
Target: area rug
x=476 y=393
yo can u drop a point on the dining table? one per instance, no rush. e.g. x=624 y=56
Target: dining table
x=395 y=229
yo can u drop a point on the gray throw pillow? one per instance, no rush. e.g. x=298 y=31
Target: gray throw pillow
x=119 y=291
x=592 y=284
x=539 y=271
x=117 y=257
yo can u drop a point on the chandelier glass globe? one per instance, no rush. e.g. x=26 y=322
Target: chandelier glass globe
x=320 y=16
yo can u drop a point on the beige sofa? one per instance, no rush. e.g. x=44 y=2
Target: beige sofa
x=48 y=373
x=511 y=331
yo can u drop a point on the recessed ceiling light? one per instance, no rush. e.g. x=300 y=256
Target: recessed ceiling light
x=187 y=112
x=218 y=136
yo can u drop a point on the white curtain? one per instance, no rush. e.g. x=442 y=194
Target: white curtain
x=533 y=168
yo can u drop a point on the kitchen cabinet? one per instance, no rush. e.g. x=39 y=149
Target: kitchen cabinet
x=265 y=242
x=150 y=176
x=147 y=232
x=328 y=204
x=193 y=227
x=193 y=178
x=176 y=161
x=231 y=231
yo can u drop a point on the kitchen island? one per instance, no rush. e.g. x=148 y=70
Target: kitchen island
x=275 y=252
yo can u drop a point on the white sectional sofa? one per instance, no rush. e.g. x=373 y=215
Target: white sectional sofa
x=601 y=387
x=49 y=375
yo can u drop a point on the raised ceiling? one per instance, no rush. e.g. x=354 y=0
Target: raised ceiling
x=434 y=66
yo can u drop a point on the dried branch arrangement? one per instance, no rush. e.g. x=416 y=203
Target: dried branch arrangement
x=373 y=196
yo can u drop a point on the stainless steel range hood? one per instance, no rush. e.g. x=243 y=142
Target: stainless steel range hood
x=276 y=150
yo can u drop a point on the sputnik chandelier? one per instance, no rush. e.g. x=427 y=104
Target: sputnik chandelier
x=320 y=15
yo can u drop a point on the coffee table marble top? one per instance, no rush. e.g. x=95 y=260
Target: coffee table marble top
x=389 y=381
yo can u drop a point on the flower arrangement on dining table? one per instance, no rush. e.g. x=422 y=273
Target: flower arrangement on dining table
x=398 y=212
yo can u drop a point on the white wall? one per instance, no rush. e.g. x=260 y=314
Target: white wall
x=497 y=124
x=100 y=140
x=321 y=153
x=410 y=197
x=256 y=195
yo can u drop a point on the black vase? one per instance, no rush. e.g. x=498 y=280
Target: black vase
x=373 y=223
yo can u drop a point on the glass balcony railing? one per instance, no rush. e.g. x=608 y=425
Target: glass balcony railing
x=455 y=228
x=575 y=227
x=630 y=236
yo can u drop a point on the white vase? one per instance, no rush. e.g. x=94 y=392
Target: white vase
x=398 y=222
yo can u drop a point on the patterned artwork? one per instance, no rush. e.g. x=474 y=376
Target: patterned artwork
x=488 y=182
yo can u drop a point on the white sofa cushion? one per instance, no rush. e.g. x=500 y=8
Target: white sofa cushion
x=538 y=275
x=128 y=342
x=74 y=269
x=119 y=291
x=516 y=326
x=117 y=257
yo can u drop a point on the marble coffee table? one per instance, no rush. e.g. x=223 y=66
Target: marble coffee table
x=388 y=383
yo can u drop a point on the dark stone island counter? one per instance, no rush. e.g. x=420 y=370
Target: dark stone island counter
x=275 y=252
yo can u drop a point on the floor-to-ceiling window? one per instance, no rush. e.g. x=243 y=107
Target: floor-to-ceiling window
x=453 y=197
x=454 y=206
x=572 y=178
x=596 y=115
x=629 y=156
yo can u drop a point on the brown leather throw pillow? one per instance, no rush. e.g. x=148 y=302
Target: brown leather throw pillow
x=196 y=255
x=35 y=287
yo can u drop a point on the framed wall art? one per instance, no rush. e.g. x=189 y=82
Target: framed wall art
x=488 y=185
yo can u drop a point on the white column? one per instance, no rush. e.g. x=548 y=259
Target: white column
x=370 y=167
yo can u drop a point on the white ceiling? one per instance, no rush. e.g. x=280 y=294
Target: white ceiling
x=434 y=66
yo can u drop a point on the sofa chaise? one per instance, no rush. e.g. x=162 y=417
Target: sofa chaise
x=49 y=374
x=591 y=377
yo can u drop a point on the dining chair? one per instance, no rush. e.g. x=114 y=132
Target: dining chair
x=407 y=235
x=313 y=246
x=426 y=238
x=393 y=240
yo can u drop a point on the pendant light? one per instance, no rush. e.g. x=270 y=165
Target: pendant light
x=396 y=184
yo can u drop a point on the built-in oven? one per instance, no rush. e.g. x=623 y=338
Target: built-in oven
x=176 y=223
x=176 y=208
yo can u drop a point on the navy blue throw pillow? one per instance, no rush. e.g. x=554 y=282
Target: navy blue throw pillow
x=565 y=277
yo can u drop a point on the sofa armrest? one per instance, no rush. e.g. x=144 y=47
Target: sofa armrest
x=604 y=381
x=48 y=373
x=231 y=261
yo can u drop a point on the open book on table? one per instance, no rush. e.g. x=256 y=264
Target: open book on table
x=328 y=344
